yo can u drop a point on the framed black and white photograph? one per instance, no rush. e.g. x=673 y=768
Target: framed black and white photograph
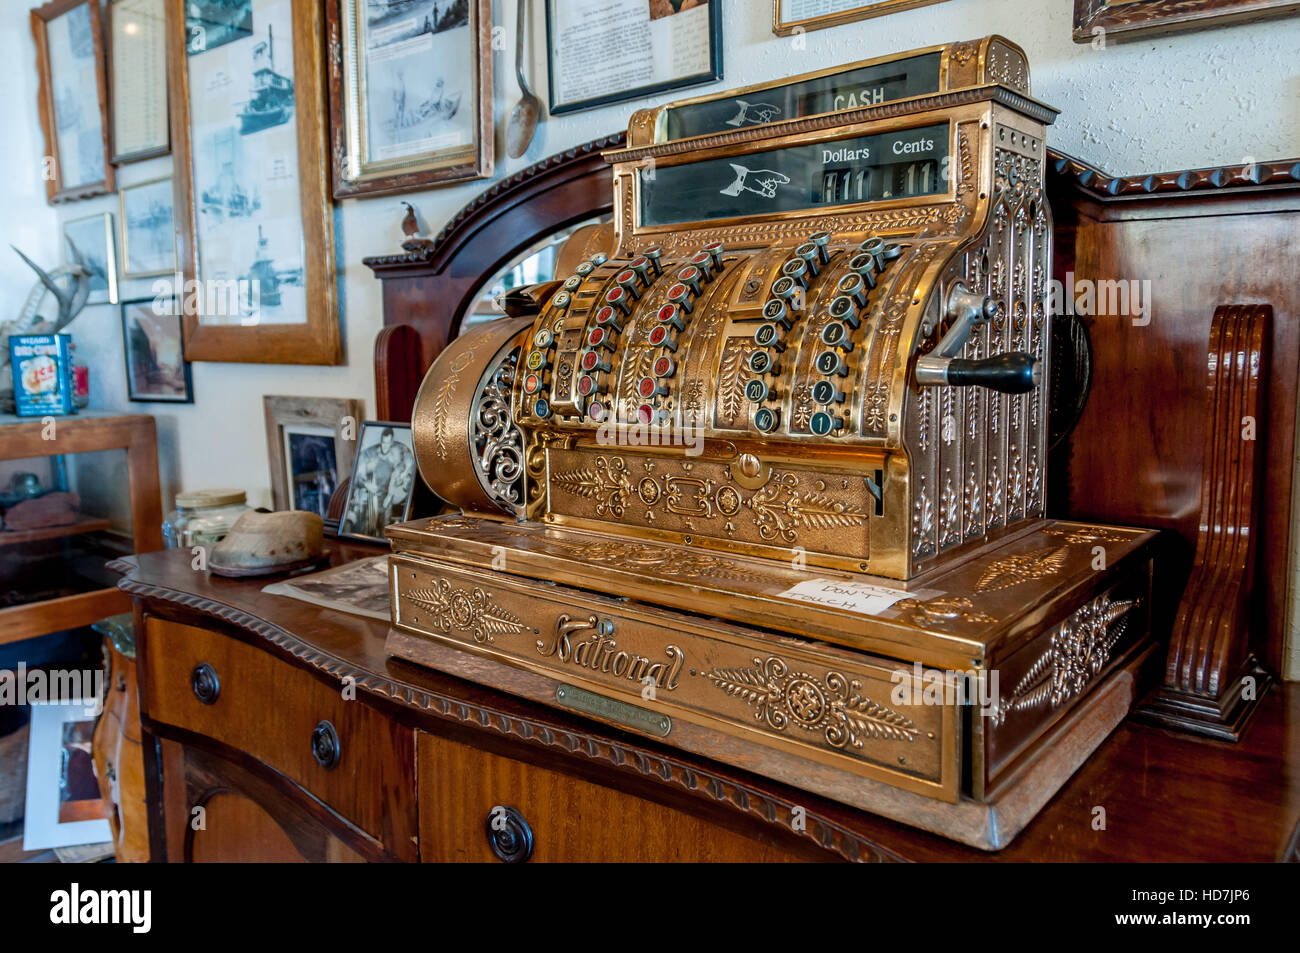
x=383 y=480
x=608 y=51
x=310 y=444
x=72 y=99
x=148 y=229
x=156 y=369
x=797 y=16
x=137 y=57
x=410 y=93
x=64 y=807
x=95 y=243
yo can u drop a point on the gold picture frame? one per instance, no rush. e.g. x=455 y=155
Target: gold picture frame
x=357 y=169
x=264 y=289
x=784 y=24
x=98 y=247
x=165 y=232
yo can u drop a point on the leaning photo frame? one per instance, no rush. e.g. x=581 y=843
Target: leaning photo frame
x=382 y=484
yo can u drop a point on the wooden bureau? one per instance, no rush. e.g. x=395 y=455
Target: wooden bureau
x=300 y=740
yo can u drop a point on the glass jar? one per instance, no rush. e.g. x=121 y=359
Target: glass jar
x=203 y=517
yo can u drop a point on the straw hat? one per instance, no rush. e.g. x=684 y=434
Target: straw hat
x=263 y=543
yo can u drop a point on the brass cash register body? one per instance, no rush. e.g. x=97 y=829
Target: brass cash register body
x=764 y=478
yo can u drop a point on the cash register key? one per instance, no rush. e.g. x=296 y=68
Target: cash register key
x=596 y=410
x=619 y=298
x=843 y=309
x=864 y=266
x=561 y=299
x=647 y=414
x=823 y=423
x=796 y=269
x=681 y=296
x=572 y=283
x=692 y=278
x=761 y=362
x=542 y=407
x=811 y=256
x=822 y=240
x=599 y=337
x=831 y=364
x=714 y=251
x=585 y=269
x=767 y=419
x=586 y=385
x=629 y=281
x=543 y=338
x=606 y=318
x=890 y=252
x=757 y=391
x=835 y=334
x=825 y=392
x=599 y=258
x=594 y=362
x=652 y=255
x=660 y=336
x=776 y=311
x=670 y=314
x=787 y=289
x=703 y=261
x=856 y=287
x=532 y=384
x=768 y=335
x=648 y=387
x=875 y=247
x=664 y=366
x=641 y=265
x=537 y=360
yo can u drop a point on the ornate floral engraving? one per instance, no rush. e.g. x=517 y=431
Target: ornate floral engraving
x=780 y=509
x=496 y=442
x=832 y=705
x=606 y=481
x=940 y=610
x=469 y=610
x=1022 y=567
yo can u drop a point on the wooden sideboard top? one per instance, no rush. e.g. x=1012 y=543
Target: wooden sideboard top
x=1165 y=796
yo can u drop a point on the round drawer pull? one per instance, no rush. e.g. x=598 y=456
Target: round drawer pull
x=325 y=745
x=509 y=835
x=206 y=685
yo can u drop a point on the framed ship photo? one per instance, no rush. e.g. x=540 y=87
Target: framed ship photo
x=1128 y=19
x=410 y=93
x=250 y=181
x=148 y=229
x=72 y=99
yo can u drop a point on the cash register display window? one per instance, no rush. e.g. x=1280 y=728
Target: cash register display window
x=903 y=164
x=855 y=88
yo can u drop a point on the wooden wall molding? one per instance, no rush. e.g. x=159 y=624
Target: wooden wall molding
x=1090 y=179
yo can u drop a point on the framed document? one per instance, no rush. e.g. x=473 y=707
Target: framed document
x=410 y=93
x=607 y=51
x=137 y=57
x=1123 y=19
x=148 y=229
x=796 y=16
x=72 y=100
x=253 y=216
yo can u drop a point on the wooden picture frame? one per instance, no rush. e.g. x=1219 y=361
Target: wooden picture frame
x=340 y=415
x=712 y=74
x=137 y=67
x=134 y=307
x=851 y=11
x=1134 y=18
x=352 y=523
x=244 y=325
x=355 y=172
x=164 y=232
x=54 y=98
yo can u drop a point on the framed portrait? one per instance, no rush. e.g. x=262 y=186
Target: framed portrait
x=252 y=206
x=156 y=369
x=382 y=483
x=1122 y=19
x=148 y=229
x=137 y=74
x=72 y=99
x=94 y=241
x=608 y=51
x=310 y=442
x=64 y=806
x=794 y=16
x=410 y=93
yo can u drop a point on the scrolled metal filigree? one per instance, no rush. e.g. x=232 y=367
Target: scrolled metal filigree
x=496 y=442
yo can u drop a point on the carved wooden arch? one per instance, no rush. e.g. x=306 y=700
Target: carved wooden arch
x=428 y=290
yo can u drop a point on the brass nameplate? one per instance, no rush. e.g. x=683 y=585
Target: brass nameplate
x=611 y=709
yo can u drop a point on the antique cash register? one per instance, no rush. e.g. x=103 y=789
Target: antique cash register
x=763 y=478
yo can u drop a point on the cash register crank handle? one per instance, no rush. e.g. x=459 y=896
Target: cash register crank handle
x=1015 y=373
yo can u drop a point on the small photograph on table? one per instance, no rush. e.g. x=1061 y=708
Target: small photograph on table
x=382 y=483
x=312 y=475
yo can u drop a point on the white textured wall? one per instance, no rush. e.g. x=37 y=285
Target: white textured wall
x=1174 y=102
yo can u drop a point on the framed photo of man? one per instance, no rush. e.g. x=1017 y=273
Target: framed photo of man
x=382 y=482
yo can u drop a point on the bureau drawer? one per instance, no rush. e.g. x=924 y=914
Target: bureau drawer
x=545 y=815
x=346 y=754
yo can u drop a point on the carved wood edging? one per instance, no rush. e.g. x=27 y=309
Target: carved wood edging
x=693 y=781
x=1089 y=178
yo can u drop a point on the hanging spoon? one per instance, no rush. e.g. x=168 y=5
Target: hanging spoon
x=523 y=121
